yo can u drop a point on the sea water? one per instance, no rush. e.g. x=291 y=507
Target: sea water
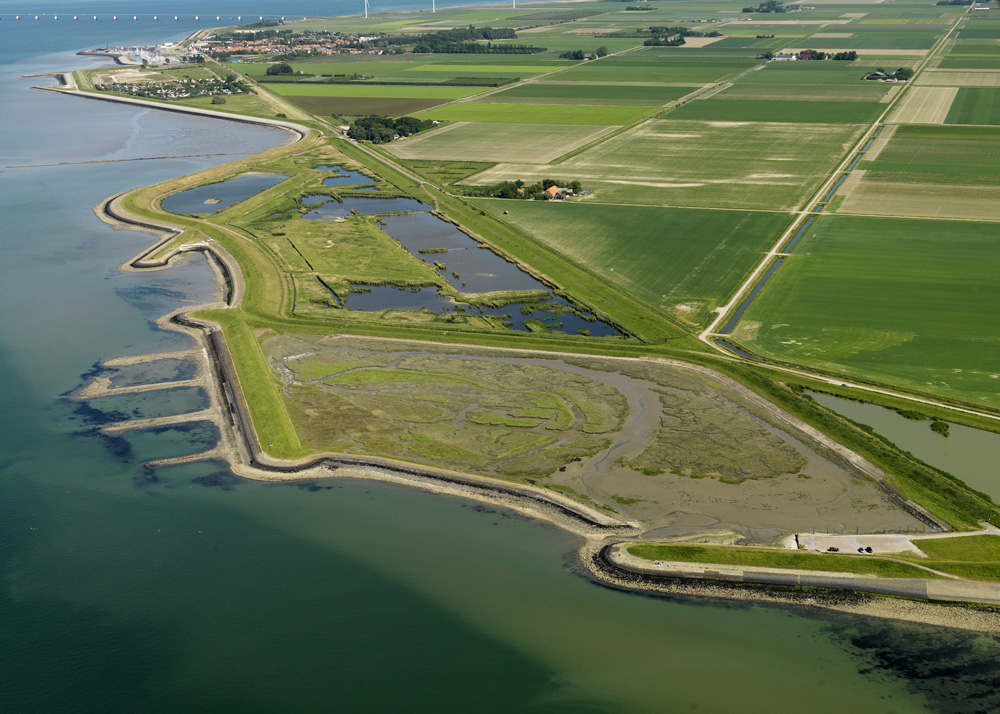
x=187 y=589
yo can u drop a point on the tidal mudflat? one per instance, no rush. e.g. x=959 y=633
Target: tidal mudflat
x=675 y=448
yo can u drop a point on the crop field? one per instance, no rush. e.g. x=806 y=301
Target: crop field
x=908 y=302
x=362 y=106
x=650 y=71
x=579 y=93
x=938 y=78
x=722 y=108
x=924 y=105
x=975 y=105
x=354 y=90
x=674 y=162
x=538 y=114
x=687 y=261
x=813 y=74
x=968 y=63
x=931 y=171
x=485 y=141
x=861 y=92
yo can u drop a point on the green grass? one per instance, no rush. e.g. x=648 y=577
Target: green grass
x=537 y=113
x=667 y=257
x=774 y=558
x=307 y=89
x=722 y=108
x=968 y=548
x=974 y=105
x=974 y=557
x=904 y=302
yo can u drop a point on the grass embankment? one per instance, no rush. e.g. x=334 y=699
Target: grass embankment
x=773 y=558
x=972 y=557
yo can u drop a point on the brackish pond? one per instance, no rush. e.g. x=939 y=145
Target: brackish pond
x=350 y=178
x=468 y=267
x=966 y=453
x=220 y=196
x=331 y=208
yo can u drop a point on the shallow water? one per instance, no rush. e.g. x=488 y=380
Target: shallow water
x=966 y=453
x=342 y=209
x=187 y=589
x=220 y=196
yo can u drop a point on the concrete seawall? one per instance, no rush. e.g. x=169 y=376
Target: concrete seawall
x=917 y=588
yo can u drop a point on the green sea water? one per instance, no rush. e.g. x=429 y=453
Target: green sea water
x=189 y=590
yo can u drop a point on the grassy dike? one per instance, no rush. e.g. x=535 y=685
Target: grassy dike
x=973 y=558
x=774 y=558
x=266 y=309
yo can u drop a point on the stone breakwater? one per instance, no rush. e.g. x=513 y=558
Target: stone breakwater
x=597 y=560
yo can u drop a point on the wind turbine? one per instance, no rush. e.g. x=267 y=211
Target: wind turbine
x=366 y=9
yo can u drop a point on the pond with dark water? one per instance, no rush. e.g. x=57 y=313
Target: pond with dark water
x=332 y=208
x=554 y=319
x=349 y=178
x=220 y=196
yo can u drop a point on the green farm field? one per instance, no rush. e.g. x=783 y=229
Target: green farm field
x=684 y=260
x=721 y=108
x=662 y=72
x=307 y=89
x=676 y=162
x=362 y=106
x=975 y=105
x=538 y=113
x=930 y=171
x=813 y=74
x=486 y=141
x=902 y=301
x=580 y=93
x=860 y=92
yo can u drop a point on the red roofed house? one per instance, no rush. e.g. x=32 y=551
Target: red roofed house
x=554 y=192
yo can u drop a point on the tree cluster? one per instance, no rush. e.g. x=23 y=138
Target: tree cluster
x=812 y=55
x=850 y=55
x=767 y=6
x=382 y=129
x=580 y=54
x=280 y=68
x=465 y=40
x=510 y=189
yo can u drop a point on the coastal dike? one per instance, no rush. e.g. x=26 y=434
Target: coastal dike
x=950 y=603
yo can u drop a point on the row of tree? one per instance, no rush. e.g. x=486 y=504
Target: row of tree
x=380 y=129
